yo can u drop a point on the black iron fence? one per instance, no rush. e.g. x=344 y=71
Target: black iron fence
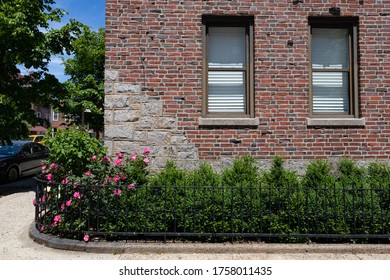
x=289 y=213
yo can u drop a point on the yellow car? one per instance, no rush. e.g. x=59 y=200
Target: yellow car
x=37 y=139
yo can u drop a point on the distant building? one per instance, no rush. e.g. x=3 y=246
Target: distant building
x=49 y=118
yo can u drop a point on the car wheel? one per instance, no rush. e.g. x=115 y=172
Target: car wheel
x=12 y=174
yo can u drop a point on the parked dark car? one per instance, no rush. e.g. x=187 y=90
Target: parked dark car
x=21 y=158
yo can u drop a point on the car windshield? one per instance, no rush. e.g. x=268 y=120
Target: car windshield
x=11 y=150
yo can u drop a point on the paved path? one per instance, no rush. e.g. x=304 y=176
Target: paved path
x=17 y=215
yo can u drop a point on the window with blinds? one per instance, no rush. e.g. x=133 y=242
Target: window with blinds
x=227 y=66
x=333 y=68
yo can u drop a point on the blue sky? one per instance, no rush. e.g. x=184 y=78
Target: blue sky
x=88 y=12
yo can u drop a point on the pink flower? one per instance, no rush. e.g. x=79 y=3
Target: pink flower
x=118 y=162
x=42 y=228
x=49 y=177
x=131 y=186
x=62 y=207
x=94 y=158
x=77 y=195
x=57 y=218
x=146 y=151
x=120 y=155
x=65 y=181
x=44 y=167
x=34 y=202
x=134 y=157
x=146 y=160
x=86 y=237
x=53 y=166
x=43 y=199
x=106 y=159
x=54 y=224
x=88 y=173
x=68 y=203
x=116 y=179
x=117 y=192
x=75 y=184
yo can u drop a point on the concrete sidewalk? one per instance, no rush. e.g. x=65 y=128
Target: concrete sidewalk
x=20 y=241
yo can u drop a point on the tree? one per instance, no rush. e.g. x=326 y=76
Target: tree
x=85 y=87
x=27 y=41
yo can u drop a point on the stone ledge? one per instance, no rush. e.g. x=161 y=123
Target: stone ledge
x=228 y=121
x=329 y=122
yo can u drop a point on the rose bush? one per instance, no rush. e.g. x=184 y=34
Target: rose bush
x=70 y=200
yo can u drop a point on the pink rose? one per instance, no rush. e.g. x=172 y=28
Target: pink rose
x=94 y=158
x=117 y=192
x=146 y=160
x=146 y=151
x=49 y=177
x=134 y=157
x=106 y=159
x=131 y=186
x=68 y=203
x=88 y=173
x=86 y=237
x=77 y=195
x=34 y=202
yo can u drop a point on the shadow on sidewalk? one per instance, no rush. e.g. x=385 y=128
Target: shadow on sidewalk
x=25 y=184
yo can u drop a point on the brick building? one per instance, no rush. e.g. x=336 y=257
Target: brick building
x=210 y=80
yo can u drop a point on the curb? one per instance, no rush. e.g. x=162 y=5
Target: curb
x=202 y=248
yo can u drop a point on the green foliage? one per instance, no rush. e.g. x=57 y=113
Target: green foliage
x=26 y=41
x=204 y=176
x=350 y=174
x=170 y=176
x=278 y=176
x=237 y=200
x=85 y=88
x=318 y=174
x=72 y=149
x=244 y=172
x=378 y=174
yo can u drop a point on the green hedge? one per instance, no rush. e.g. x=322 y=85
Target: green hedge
x=240 y=199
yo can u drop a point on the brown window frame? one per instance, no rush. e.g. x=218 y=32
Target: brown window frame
x=229 y=21
x=350 y=23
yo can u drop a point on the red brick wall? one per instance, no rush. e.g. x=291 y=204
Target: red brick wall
x=158 y=45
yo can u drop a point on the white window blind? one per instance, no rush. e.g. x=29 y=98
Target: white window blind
x=226 y=75
x=330 y=92
x=330 y=64
x=226 y=91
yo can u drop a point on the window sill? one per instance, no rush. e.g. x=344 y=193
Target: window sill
x=228 y=121
x=329 y=122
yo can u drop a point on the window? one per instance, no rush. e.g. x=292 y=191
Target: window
x=333 y=75
x=227 y=66
x=55 y=116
